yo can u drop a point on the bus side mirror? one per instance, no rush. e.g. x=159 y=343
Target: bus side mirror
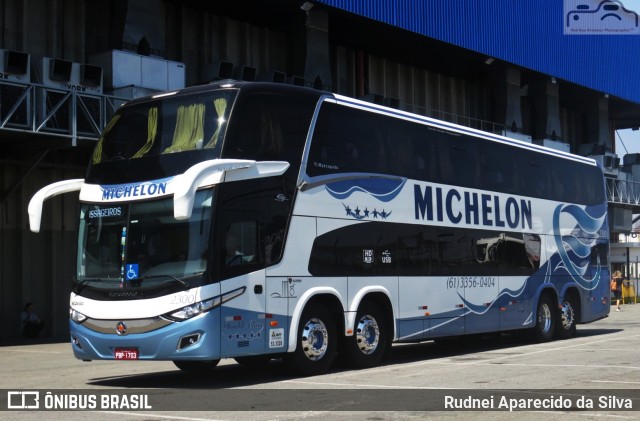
x=37 y=201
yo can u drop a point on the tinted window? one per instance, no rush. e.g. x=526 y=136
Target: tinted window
x=347 y=140
x=419 y=250
x=270 y=127
x=354 y=140
x=251 y=225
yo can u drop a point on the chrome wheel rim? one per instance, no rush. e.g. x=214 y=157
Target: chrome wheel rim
x=314 y=339
x=567 y=315
x=544 y=318
x=367 y=334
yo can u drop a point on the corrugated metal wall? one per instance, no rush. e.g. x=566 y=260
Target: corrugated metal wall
x=36 y=268
x=527 y=33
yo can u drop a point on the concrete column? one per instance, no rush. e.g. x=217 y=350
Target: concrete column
x=317 y=65
x=598 y=130
x=547 y=109
x=507 y=99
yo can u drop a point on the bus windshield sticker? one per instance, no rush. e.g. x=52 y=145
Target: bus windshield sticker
x=132 y=271
x=105 y=212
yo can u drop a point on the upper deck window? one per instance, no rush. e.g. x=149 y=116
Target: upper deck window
x=166 y=125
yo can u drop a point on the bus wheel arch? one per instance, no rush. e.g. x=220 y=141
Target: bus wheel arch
x=569 y=314
x=372 y=332
x=316 y=336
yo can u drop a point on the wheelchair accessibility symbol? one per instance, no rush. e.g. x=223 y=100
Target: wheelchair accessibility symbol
x=131 y=271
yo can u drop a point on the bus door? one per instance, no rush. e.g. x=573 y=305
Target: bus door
x=251 y=224
x=242 y=318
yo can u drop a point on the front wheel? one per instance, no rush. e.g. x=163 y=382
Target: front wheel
x=315 y=343
x=566 y=327
x=370 y=339
x=196 y=366
x=545 y=319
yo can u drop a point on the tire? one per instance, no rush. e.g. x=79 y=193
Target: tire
x=316 y=342
x=546 y=317
x=254 y=360
x=370 y=339
x=566 y=326
x=196 y=366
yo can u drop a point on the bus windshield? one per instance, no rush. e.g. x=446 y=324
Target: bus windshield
x=141 y=244
x=166 y=125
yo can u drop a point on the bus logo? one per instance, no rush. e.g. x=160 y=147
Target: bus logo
x=367 y=256
x=121 y=328
x=23 y=399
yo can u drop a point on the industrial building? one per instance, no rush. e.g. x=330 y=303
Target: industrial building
x=542 y=72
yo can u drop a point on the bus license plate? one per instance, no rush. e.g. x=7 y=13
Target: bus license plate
x=126 y=354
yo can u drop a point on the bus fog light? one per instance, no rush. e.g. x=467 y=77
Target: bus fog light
x=76 y=342
x=189 y=340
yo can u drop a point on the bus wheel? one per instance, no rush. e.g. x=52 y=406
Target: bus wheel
x=316 y=342
x=370 y=338
x=196 y=366
x=545 y=319
x=254 y=360
x=566 y=327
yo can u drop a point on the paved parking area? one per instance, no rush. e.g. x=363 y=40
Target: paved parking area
x=602 y=362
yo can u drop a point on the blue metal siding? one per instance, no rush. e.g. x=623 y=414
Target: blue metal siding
x=526 y=33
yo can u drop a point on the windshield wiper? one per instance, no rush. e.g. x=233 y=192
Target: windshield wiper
x=84 y=282
x=141 y=278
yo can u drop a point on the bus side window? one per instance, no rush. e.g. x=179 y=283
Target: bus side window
x=240 y=243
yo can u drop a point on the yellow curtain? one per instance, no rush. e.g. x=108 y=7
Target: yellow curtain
x=189 y=128
x=152 y=130
x=220 y=105
x=97 y=152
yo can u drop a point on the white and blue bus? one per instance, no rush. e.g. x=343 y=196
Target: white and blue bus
x=255 y=221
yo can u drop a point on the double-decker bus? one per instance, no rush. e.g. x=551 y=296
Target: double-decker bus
x=255 y=221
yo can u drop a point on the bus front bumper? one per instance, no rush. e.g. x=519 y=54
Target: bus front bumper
x=191 y=339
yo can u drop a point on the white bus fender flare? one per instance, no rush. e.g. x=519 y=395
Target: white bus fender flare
x=299 y=308
x=350 y=316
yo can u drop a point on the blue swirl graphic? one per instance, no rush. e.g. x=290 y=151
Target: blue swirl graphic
x=574 y=248
x=382 y=189
x=481 y=308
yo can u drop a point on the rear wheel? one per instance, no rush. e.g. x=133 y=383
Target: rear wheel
x=545 y=319
x=315 y=343
x=196 y=366
x=370 y=339
x=566 y=327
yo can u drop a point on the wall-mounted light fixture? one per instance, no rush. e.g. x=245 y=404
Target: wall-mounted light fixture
x=306 y=6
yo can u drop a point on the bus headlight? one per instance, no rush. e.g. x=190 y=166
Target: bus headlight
x=76 y=316
x=195 y=309
x=203 y=306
